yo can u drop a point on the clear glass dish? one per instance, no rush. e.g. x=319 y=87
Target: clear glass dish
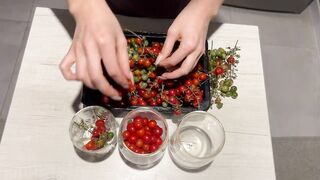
x=83 y=124
x=143 y=161
x=198 y=139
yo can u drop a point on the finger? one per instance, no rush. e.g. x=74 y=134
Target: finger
x=66 y=64
x=96 y=73
x=122 y=54
x=109 y=59
x=185 y=68
x=172 y=37
x=81 y=67
x=181 y=53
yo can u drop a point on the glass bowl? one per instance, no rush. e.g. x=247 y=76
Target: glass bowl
x=198 y=139
x=82 y=129
x=147 y=160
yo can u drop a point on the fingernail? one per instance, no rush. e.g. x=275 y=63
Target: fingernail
x=116 y=98
x=131 y=77
x=159 y=58
x=161 y=77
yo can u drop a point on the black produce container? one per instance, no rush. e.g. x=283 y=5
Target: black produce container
x=94 y=97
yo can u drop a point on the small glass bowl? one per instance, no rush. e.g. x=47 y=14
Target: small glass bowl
x=83 y=124
x=198 y=139
x=143 y=161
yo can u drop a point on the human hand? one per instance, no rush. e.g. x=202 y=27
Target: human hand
x=190 y=28
x=97 y=36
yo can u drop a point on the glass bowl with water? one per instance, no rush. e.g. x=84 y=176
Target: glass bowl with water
x=197 y=140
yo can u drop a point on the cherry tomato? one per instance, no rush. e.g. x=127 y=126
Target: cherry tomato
x=146 y=64
x=157 y=131
x=140 y=132
x=139 y=143
x=203 y=76
x=153 y=139
x=158 y=141
x=146 y=147
x=152 y=124
x=131 y=128
x=138 y=119
x=141 y=61
x=133 y=139
x=156 y=44
x=132 y=147
x=188 y=82
x=153 y=148
x=126 y=135
x=231 y=60
x=138 y=125
x=195 y=75
x=172 y=92
x=95 y=133
x=219 y=70
x=195 y=82
x=152 y=75
x=131 y=63
x=182 y=88
x=91 y=145
x=127 y=143
x=138 y=41
x=100 y=122
x=146 y=139
x=101 y=129
x=145 y=122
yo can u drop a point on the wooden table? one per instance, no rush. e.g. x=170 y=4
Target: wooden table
x=36 y=144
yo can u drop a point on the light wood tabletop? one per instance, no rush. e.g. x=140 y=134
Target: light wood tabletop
x=36 y=144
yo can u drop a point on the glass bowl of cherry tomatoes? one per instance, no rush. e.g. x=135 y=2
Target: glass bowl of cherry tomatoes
x=93 y=131
x=143 y=137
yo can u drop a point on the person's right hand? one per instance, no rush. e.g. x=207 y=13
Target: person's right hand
x=97 y=36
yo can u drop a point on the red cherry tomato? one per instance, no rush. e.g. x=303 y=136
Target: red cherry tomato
x=158 y=141
x=147 y=63
x=153 y=148
x=95 y=133
x=219 y=70
x=231 y=60
x=100 y=122
x=188 y=82
x=131 y=63
x=145 y=122
x=203 y=76
x=138 y=125
x=152 y=124
x=146 y=147
x=146 y=139
x=126 y=135
x=195 y=82
x=91 y=145
x=101 y=129
x=127 y=143
x=157 y=131
x=133 y=139
x=140 y=132
x=139 y=143
x=138 y=119
x=131 y=128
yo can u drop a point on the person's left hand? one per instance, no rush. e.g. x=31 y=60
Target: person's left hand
x=190 y=28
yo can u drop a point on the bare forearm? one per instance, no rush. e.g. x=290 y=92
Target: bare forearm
x=77 y=7
x=209 y=8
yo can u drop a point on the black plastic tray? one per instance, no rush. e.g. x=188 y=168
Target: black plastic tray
x=93 y=97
